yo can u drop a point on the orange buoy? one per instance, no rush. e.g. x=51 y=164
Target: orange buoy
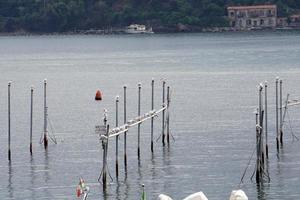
x=98 y=96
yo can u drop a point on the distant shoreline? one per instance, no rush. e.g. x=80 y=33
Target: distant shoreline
x=157 y=31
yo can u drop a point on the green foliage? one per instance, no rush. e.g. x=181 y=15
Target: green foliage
x=69 y=15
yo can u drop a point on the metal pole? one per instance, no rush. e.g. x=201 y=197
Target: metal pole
x=277 y=138
x=125 y=134
x=152 y=108
x=257 y=149
x=139 y=114
x=163 y=114
x=168 y=114
x=45 y=114
x=261 y=141
x=31 y=115
x=280 y=111
x=9 y=152
x=266 y=119
x=117 y=137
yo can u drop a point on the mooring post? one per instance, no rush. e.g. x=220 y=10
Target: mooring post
x=280 y=111
x=261 y=119
x=266 y=119
x=139 y=114
x=125 y=134
x=163 y=114
x=152 y=108
x=105 y=142
x=277 y=136
x=9 y=152
x=257 y=149
x=168 y=114
x=117 y=137
x=45 y=114
x=31 y=116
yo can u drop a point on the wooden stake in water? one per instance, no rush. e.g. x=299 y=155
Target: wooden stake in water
x=163 y=114
x=168 y=115
x=139 y=114
x=31 y=116
x=277 y=136
x=261 y=141
x=9 y=152
x=257 y=148
x=152 y=108
x=266 y=119
x=125 y=134
x=105 y=149
x=280 y=111
x=45 y=115
x=117 y=137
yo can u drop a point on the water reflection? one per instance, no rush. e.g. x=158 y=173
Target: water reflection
x=33 y=177
x=9 y=186
x=262 y=190
x=46 y=173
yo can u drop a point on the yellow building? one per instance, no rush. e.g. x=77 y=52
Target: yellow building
x=252 y=17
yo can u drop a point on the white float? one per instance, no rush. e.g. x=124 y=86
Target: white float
x=196 y=196
x=238 y=195
x=164 y=197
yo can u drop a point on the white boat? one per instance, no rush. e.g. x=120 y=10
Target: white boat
x=137 y=29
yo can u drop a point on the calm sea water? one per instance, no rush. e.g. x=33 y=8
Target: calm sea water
x=213 y=78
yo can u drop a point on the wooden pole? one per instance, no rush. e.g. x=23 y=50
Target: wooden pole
x=139 y=114
x=152 y=108
x=168 y=115
x=125 y=134
x=257 y=149
x=277 y=138
x=163 y=114
x=280 y=111
x=9 y=152
x=31 y=116
x=104 y=173
x=117 y=137
x=266 y=119
x=45 y=114
x=261 y=140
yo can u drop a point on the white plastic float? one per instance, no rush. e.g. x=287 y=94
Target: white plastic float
x=238 y=195
x=235 y=195
x=196 y=196
x=164 y=197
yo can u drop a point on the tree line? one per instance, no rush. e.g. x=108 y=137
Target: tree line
x=46 y=16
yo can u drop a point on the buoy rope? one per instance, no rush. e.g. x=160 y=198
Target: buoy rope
x=52 y=136
x=290 y=126
x=247 y=167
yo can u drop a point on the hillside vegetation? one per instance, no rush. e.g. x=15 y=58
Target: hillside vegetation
x=46 y=16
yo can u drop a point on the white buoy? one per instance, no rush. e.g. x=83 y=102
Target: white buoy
x=238 y=195
x=164 y=197
x=196 y=196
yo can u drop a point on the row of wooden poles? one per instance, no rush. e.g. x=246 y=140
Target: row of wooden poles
x=109 y=133
x=45 y=137
x=261 y=117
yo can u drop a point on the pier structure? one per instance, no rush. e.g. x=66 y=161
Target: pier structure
x=107 y=133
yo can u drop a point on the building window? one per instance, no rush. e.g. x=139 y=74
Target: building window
x=249 y=22
x=270 y=22
x=255 y=23
x=262 y=22
x=270 y=13
x=231 y=14
x=233 y=24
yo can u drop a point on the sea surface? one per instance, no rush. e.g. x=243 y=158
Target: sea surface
x=213 y=79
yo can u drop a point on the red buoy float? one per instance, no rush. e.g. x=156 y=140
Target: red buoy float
x=98 y=96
